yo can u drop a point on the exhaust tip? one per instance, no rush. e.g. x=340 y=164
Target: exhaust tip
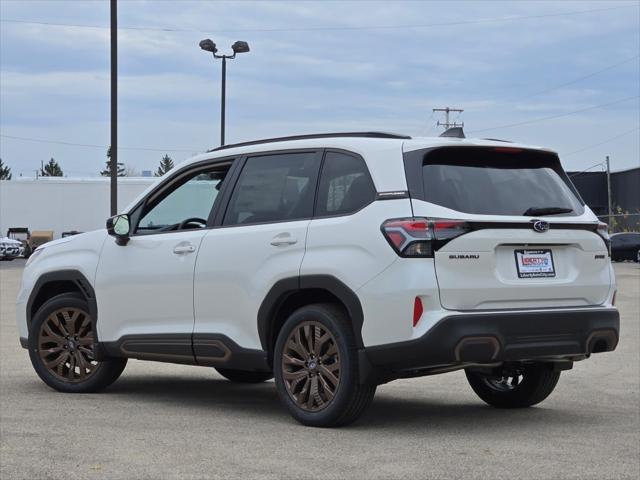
x=477 y=349
x=602 y=341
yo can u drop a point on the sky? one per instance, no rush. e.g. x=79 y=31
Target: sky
x=561 y=74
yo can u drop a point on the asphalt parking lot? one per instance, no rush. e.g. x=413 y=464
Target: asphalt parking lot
x=170 y=421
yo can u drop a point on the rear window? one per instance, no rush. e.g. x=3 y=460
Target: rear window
x=493 y=182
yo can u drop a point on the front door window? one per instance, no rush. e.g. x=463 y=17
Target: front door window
x=185 y=206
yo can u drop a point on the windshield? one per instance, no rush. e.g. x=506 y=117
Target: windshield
x=491 y=182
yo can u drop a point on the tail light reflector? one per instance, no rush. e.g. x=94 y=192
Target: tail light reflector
x=421 y=237
x=417 y=310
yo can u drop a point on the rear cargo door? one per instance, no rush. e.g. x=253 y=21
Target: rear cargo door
x=529 y=242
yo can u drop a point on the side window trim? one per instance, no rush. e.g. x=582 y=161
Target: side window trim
x=225 y=198
x=163 y=190
x=233 y=183
x=219 y=204
x=367 y=173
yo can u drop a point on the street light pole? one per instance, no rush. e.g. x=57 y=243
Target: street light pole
x=238 y=47
x=223 y=98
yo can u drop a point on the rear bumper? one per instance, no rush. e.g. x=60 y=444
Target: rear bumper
x=489 y=338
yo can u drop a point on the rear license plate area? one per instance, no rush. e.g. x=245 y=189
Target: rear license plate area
x=535 y=263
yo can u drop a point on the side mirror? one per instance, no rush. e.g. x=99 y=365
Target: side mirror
x=118 y=226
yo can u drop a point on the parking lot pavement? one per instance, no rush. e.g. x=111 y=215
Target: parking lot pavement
x=170 y=421
x=16 y=264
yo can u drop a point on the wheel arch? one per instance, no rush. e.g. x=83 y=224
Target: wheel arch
x=289 y=294
x=58 y=282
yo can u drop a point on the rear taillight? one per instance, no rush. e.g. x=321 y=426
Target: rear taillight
x=603 y=231
x=421 y=237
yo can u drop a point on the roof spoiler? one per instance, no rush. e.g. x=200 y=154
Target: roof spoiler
x=454 y=132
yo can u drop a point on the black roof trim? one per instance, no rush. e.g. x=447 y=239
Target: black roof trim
x=497 y=140
x=312 y=136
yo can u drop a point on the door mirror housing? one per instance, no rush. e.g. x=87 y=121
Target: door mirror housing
x=119 y=227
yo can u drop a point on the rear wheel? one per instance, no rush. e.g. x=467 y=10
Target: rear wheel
x=316 y=368
x=61 y=347
x=516 y=387
x=242 y=376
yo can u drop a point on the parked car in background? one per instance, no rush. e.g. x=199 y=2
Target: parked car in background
x=625 y=246
x=23 y=235
x=10 y=248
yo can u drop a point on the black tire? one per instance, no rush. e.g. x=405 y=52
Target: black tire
x=103 y=373
x=536 y=382
x=243 y=376
x=350 y=398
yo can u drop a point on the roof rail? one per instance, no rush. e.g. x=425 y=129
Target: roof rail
x=497 y=140
x=312 y=136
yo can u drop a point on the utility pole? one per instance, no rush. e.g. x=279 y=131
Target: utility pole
x=114 y=107
x=609 y=207
x=447 y=124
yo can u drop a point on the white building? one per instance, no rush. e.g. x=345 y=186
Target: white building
x=62 y=204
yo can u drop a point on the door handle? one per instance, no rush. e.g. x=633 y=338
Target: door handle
x=184 y=248
x=283 y=239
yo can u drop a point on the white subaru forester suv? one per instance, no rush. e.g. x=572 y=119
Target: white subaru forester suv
x=335 y=263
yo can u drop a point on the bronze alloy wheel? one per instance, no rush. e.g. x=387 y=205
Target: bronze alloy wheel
x=311 y=366
x=65 y=345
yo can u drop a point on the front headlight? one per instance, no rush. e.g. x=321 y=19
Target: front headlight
x=33 y=256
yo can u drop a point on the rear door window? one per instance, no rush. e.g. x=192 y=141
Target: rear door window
x=345 y=185
x=491 y=182
x=274 y=188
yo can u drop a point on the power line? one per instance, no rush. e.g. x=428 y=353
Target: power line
x=579 y=79
x=586 y=169
x=551 y=117
x=428 y=128
x=602 y=142
x=92 y=145
x=325 y=28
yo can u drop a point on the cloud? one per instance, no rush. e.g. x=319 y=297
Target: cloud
x=54 y=81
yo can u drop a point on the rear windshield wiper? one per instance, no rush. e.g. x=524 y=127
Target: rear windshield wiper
x=546 y=211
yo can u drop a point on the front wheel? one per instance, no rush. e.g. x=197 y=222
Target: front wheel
x=61 y=347
x=517 y=387
x=316 y=368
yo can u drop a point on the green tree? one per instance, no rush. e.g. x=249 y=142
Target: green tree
x=166 y=164
x=5 y=171
x=51 y=169
x=107 y=171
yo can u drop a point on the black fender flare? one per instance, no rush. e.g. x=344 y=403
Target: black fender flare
x=79 y=280
x=285 y=287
